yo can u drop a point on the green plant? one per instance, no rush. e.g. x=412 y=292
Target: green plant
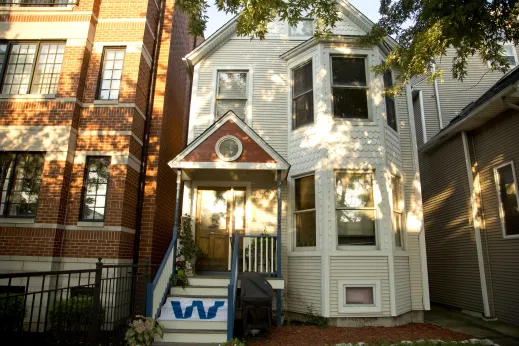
x=179 y=279
x=142 y=331
x=74 y=314
x=233 y=342
x=315 y=319
x=12 y=314
x=188 y=247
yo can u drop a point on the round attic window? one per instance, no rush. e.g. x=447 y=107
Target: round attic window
x=228 y=148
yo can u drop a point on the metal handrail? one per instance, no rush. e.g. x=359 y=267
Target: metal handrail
x=232 y=288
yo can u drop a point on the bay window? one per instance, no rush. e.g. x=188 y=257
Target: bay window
x=355 y=208
x=304 y=213
x=231 y=93
x=349 y=88
x=30 y=67
x=20 y=181
x=302 y=95
x=398 y=210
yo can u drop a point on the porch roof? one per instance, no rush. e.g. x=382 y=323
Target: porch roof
x=256 y=154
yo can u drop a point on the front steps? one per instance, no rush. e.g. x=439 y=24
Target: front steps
x=190 y=329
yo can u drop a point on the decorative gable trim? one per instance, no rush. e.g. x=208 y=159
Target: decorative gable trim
x=275 y=162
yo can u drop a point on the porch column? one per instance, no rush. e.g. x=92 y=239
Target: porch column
x=278 y=252
x=177 y=203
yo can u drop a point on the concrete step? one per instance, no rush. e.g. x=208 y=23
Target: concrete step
x=191 y=325
x=199 y=291
x=190 y=336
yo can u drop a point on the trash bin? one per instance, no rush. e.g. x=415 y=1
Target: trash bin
x=256 y=301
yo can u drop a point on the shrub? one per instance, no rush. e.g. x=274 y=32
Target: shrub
x=314 y=319
x=142 y=331
x=74 y=314
x=12 y=315
x=233 y=342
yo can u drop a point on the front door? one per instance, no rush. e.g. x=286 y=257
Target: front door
x=219 y=213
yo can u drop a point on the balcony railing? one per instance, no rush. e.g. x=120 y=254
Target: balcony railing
x=38 y=3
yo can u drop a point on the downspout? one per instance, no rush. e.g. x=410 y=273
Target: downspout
x=146 y=138
x=477 y=230
x=437 y=95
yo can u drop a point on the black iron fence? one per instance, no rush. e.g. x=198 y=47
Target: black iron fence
x=38 y=3
x=72 y=307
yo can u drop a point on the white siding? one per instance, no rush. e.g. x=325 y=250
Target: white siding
x=402 y=285
x=359 y=268
x=304 y=284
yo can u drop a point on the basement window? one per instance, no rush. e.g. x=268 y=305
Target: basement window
x=359 y=296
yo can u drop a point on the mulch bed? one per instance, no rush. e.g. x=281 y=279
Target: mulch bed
x=312 y=335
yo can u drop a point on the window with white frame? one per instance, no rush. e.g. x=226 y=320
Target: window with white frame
x=510 y=54
x=359 y=296
x=32 y=67
x=508 y=197
x=390 y=102
x=302 y=95
x=231 y=93
x=355 y=208
x=304 y=211
x=303 y=28
x=398 y=209
x=350 y=87
x=111 y=73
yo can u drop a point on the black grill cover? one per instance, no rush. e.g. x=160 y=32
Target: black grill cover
x=256 y=301
x=255 y=289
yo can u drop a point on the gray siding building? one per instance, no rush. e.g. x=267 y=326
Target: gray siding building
x=469 y=159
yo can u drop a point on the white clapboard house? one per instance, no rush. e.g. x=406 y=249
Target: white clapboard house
x=297 y=166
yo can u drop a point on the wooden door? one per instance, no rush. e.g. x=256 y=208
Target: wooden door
x=220 y=212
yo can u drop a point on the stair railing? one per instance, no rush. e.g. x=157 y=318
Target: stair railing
x=157 y=291
x=232 y=288
x=259 y=254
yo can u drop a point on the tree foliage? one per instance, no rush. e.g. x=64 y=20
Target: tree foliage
x=255 y=15
x=425 y=29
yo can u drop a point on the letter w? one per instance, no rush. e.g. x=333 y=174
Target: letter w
x=211 y=313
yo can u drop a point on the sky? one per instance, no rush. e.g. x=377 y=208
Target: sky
x=217 y=19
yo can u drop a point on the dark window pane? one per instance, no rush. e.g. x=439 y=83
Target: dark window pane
x=508 y=195
x=350 y=103
x=356 y=227
x=390 y=102
x=397 y=228
x=305 y=229
x=348 y=71
x=305 y=193
x=97 y=173
x=303 y=108
x=354 y=190
x=303 y=79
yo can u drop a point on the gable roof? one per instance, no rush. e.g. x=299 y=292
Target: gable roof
x=257 y=154
x=224 y=33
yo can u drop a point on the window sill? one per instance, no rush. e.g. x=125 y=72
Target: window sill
x=90 y=224
x=354 y=122
x=106 y=102
x=11 y=9
x=14 y=220
x=28 y=96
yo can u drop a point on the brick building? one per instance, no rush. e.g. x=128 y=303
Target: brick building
x=82 y=84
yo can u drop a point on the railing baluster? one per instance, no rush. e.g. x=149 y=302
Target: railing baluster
x=249 y=241
x=267 y=255
x=255 y=254
x=261 y=254
x=243 y=255
x=272 y=255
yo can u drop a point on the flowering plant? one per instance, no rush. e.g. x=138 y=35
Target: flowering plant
x=180 y=264
x=233 y=342
x=142 y=331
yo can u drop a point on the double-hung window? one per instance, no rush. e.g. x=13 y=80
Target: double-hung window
x=95 y=188
x=111 y=74
x=304 y=213
x=508 y=198
x=20 y=181
x=398 y=209
x=355 y=209
x=302 y=95
x=350 y=87
x=390 y=102
x=510 y=54
x=231 y=93
x=30 y=67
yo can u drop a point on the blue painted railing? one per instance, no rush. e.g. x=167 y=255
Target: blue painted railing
x=157 y=291
x=232 y=288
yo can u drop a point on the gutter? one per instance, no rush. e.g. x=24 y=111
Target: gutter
x=455 y=128
x=146 y=139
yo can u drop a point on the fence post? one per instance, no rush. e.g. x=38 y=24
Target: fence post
x=95 y=322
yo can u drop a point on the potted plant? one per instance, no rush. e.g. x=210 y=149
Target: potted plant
x=180 y=276
x=188 y=248
x=142 y=331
